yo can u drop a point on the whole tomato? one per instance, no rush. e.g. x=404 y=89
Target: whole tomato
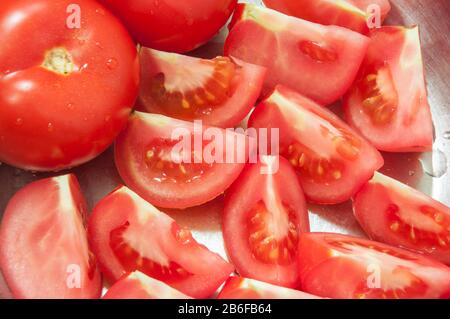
x=69 y=76
x=172 y=25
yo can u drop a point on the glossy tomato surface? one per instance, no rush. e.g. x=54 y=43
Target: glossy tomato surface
x=319 y=61
x=220 y=92
x=44 y=250
x=339 y=266
x=137 y=285
x=153 y=163
x=172 y=25
x=397 y=214
x=331 y=160
x=389 y=96
x=128 y=234
x=265 y=211
x=351 y=14
x=65 y=90
x=244 y=288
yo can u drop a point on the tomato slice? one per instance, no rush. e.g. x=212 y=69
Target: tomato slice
x=244 y=288
x=137 y=285
x=339 y=266
x=331 y=160
x=297 y=53
x=128 y=234
x=44 y=250
x=389 y=96
x=397 y=214
x=262 y=219
x=145 y=160
x=221 y=91
x=351 y=14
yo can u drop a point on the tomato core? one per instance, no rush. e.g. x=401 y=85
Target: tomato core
x=58 y=60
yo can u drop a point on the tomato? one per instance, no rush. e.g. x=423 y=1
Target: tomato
x=319 y=61
x=389 y=96
x=64 y=96
x=339 y=266
x=150 y=163
x=352 y=14
x=128 y=234
x=397 y=214
x=262 y=219
x=137 y=285
x=172 y=25
x=44 y=250
x=331 y=160
x=221 y=91
x=243 y=288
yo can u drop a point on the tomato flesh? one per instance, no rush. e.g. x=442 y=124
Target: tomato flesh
x=403 y=216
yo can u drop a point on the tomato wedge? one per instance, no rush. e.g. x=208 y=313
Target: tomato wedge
x=389 y=96
x=244 y=288
x=331 y=160
x=263 y=216
x=351 y=14
x=148 y=163
x=319 y=61
x=339 y=266
x=221 y=91
x=128 y=234
x=137 y=285
x=397 y=214
x=44 y=250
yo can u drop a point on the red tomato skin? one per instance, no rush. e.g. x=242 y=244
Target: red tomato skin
x=121 y=206
x=269 y=114
x=172 y=25
x=281 y=36
x=28 y=280
x=238 y=201
x=337 y=273
x=50 y=121
x=389 y=46
x=137 y=285
x=382 y=192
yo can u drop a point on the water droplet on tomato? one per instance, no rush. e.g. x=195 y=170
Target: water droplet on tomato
x=19 y=121
x=84 y=67
x=50 y=127
x=99 y=45
x=100 y=11
x=434 y=163
x=112 y=63
x=70 y=106
x=412 y=173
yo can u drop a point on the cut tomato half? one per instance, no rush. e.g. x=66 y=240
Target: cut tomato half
x=265 y=211
x=331 y=160
x=244 y=288
x=168 y=174
x=388 y=101
x=44 y=250
x=397 y=214
x=319 y=61
x=221 y=91
x=339 y=266
x=128 y=234
x=137 y=285
x=351 y=14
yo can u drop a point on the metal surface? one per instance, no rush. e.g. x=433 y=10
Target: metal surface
x=427 y=172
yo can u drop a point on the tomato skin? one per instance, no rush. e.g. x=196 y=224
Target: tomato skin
x=297 y=53
x=389 y=48
x=239 y=204
x=244 y=288
x=41 y=235
x=340 y=266
x=394 y=208
x=52 y=121
x=172 y=25
x=247 y=84
x=153 y=237
x=131 y=147
x=290 y=112
x=351 y=14
x=137 y=285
